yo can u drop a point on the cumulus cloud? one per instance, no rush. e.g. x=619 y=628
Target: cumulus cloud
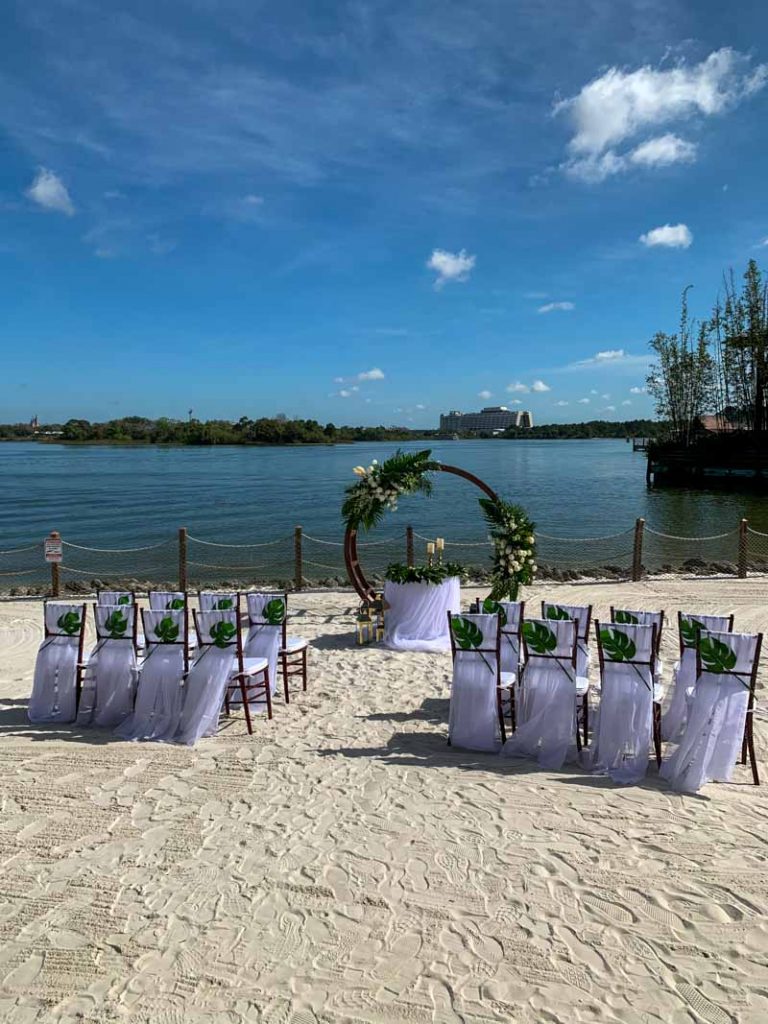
x=561 y=403
x=514 y=401
x=620 y=105
x=539 y=385
x=450 y=266
x=583 y=401
x=485 y=395
x=420 y=406
x=374 y=374
x=50 y=192
x=626 y=402
x=552 y=307
x=668 y=236
x=518 y=386
x=637 y=391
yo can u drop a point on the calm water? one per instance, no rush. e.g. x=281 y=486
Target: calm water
x=120 y=497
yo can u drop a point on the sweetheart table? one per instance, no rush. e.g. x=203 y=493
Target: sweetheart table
x=416 y=616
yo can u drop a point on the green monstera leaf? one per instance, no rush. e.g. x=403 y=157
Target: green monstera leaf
x=689 y=630
x=69 y=623
x=124 y=599
x=626 y=619
x=274 y=611
x=617 y=645
x=554 y=611
x=716 y=656
x=166 y=631
x=539 y=638
x=224 y=604
x=223 y=633
x=175 y=604
x=491 y=607
x=116 y=624
x=468 y=635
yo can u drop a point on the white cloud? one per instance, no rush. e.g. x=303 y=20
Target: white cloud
x=518 y=386
x=50 y=192
x=626 y=402
x=450 y=266
x=609 y=354
x=338 y=380
x=583 y=401
x=253 y=200
x=593 y=391
x=539 y=385
x=514 y=401
x=420 y=406
x=374 y=374
x=609 y=408
x=620 y=105
x=344 y=393
x=662 y=151
x=551 y=307
x=764 y=242
x=669 y=236
x=606 y=396
x=637 y=391
x=485 y=395
x=561 y=403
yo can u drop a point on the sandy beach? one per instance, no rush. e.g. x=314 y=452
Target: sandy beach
x=343 y=865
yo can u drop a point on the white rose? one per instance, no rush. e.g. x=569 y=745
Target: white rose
x=533 y=567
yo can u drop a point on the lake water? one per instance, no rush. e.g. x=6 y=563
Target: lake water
x=123 y=497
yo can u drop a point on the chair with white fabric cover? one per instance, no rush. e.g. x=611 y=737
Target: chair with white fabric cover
x=220 y=668
x=58 y=667
x=633 y=617
x=548 y=688
x=266 y=631
x=684 y=672
x=720 y=717
x=167 y=600
x=159 y=696
x=109 y=680
x=119 y=597
x=217 y=601
x=582 y=616
x=512 y=614
x=476 y=716
x=293 y=655
x=629 y=710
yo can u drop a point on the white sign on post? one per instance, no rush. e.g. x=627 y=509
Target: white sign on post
x=52 y=548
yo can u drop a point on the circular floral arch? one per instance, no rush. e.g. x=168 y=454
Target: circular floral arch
x=380 y=486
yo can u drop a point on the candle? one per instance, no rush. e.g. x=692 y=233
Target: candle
x=430 y=548
x=440 y=544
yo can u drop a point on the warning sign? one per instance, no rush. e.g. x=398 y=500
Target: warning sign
x=52 y=548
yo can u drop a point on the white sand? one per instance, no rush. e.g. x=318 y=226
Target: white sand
x=343 y=865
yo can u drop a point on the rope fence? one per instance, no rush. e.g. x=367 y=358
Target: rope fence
x=298 y=560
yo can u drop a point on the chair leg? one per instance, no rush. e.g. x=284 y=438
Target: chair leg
x=585 y=717
x=226 y=702
x=657 y=733
x=744 y=742
x=286 y=690
x=246 y=708
x=268 y=693
x=512 y=709
x=304 y=670
x=750 y=742
x=500 y=710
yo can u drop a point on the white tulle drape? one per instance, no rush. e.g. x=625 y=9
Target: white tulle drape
x=684 y=677
x=207 y=680
x=416 y=618
x=159 y=697
x=109 y=681
x=548 y=699
x=581 y=615
x=54 y=687
x=208 y=600
x=714 y=731
x=473 y=720
x=264 y=642
x=623 y=733
x=510 y=639
x=118 y=597
x=160 y=600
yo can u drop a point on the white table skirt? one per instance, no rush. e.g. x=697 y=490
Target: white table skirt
x=416 y=617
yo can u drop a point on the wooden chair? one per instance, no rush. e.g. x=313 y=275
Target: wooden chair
x=582 y=616
x=59 y=664
x=469 y=637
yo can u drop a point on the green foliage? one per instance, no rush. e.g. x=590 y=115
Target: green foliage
x=626 y=618
x=176 y=604
x=716 y=656
x=69 y=623
x=554 y=611
x=617 y=646
x=116 y=624
x=589 y=430
x=380 y=486
x=467 y=634
x=224 y=604
x=491 y=607
x=274 y=611
x=689 y=631
x=539 y=638
x=223 y=633
x=397 y=572
x=514 y=559
x=166 y=631
x=124 y=599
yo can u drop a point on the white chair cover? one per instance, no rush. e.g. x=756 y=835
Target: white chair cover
x=549 y=697
x=54 y=688
x=121 y=597
x=715 y=729
x=510 y=639
x=416 y=617
x=581 y=615
x=473 y=718
x=265 y=637
x=159 y=696
x=109 y=681
x=207 y=680
x=640 y=617
x=163 y=600
x=684 y=672
x=622 y=738
x=211 y=601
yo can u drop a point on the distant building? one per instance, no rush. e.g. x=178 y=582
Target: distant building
x=494 y=419
x=34 y=423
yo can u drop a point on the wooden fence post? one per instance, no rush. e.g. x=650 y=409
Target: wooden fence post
x=183 y=558
x=637 y=551
x=409 y=545
x=743 y=539
x=298 y=566
x=55 y=536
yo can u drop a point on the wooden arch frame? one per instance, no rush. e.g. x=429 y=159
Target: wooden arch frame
x=351 y=560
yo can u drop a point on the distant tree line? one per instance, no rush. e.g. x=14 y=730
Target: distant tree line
x=592 y=428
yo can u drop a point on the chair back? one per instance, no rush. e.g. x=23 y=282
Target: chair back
x=724 y=653
x=554 y=639
x=170 y=600
x=627 y=644
x=61 y=618
x=476 y=636
x=267 y=608
x=116 y=622
x=581 y=615
x=121 y=597
x=166 y=628
x=634 y=617
x=218 y=601
x=220 y=629
x=689 y=625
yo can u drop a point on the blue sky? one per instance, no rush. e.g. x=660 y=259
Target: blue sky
x=367 y=212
